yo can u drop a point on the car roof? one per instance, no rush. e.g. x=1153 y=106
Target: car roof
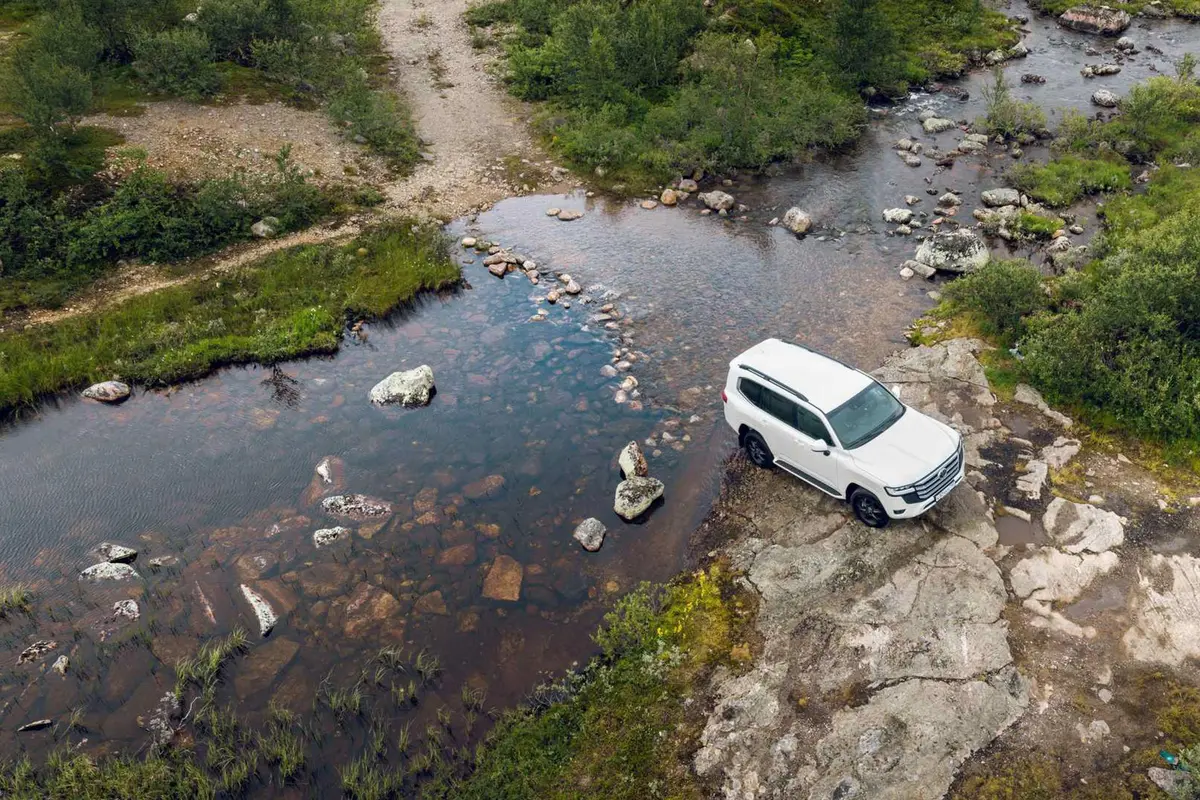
x=823 y=381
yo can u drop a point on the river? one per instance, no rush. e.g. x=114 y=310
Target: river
x=518 y=445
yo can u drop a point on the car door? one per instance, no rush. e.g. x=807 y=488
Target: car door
x=819 y=463
x=766 y=408
x=791 y=431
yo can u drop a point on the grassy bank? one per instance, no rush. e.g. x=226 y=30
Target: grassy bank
x=621 y=728
x=290 y=304
x=653 y=88
x=1117 y=339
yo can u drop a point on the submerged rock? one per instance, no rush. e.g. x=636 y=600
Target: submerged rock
x=107 y=391
x=590 y=533
x=356 y=506
x=962 y=250
x=61 y=665
x=36 y=725
x=127 y=609
x=107 y=571
x=327 y=536
x=635 y=495
x=503 y=579
x=116 y=553
x=1095 y=19
x=632 y=461
x=36 y=651
x=411 y=388
x=262 y=609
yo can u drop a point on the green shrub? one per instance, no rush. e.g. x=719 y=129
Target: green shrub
x=232 y=26
x=1006 y=116
x=1064 y=180
x=49 y=78
x=378 y=117
x=1002 y=295
x=1035 y=226
x=176 y=61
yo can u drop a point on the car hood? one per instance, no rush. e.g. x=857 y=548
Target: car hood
x=907 y=451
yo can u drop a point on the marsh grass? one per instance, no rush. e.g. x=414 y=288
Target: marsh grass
x=15 y=599
x=290 y=304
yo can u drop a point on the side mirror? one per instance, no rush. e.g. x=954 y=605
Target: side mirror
x=820 y=447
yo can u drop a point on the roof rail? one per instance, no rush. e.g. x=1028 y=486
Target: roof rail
x=769 y=379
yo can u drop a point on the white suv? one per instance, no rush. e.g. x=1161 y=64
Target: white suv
x=840 y=430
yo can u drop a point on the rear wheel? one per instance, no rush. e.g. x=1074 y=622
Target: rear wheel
x=868 y=509
x=757 y=450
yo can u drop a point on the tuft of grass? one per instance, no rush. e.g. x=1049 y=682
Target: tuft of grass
x=15 y=599
x=204 y=669
x=1064 y=180
x=428 y=666
x=292 y=303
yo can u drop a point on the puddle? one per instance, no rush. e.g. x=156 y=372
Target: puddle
x=1016 y=531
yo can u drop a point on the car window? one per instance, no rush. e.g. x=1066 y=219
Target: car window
x=866 y=415
x=811 y=425
x=751 y=390
x=778 y=406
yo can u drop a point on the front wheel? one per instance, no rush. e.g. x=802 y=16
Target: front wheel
x=757 y=450
x=868 y=509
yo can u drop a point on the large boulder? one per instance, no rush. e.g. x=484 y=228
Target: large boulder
x=1105 y=99
x=718 y=200
x=635 y=495
x=797 y=221
x=961 y=250
x=107 y=392
x=590 y=534
x=937 y=125
x=1095 y=19
x=411 y=388
x=897 y=216
x=995 y=198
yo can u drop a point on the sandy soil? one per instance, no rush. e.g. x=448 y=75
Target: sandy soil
x=478 y=148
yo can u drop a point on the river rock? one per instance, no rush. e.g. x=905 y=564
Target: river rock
x=569 y=215
x=1031 y=77
x=61 y=665
x=688 y=185
x=718 y=200
x=411 y=388
x=258 y=670
x=632 y=461
x=1126 y=45
x=469 y=241
x=116 y=553
x=1105 y=99
x=108 y=571
x=1079 y=527
x=127 y=609
x=327 y=536
x=897 y=216
x=572 y=287
x=937 y=124
x=996 y=198
x=1104 y=69
x=356 y=506
x=107 y=391
x=961 y=250
x=590 y=534
x=262 y=610
x=36 y=651
x=910 y=159
x=503 y=579
x=949 y=200
x=490 y=486
x=36 y=725
x=635 y=495
x=1052 y=576
x=460 y=555
x=1095 y=19
x=498 y=268
x=668 y=197
x=797 y=221
x=371 y=611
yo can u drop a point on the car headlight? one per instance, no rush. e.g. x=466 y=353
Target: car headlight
x=900 y=491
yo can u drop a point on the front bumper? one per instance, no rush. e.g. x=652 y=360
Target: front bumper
x=897 y=508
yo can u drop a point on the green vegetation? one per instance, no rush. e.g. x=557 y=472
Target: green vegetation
x=1065 y=180
x=1001 y=296
x=1027 y=226
x=620 y=729
x=292 y=303
x=15 y=599
x=654 y=87
x=1006 y=116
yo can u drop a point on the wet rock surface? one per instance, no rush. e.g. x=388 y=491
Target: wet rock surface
x=635 y=495
x=411 y=388
x=590 y=534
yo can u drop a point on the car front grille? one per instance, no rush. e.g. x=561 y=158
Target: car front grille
x=937 y=480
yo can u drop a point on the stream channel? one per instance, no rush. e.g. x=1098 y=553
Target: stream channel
x=517 y=446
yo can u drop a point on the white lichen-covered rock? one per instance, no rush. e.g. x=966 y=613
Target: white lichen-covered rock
x=590 y=533
x=166 y=715
x=127 y=609
x=1105 y=99
x=61 y=665
x=1060 y=453
x=635 y=496
x=356 y=506
x=995 y=198
x=937 y=125
x=262 y=609
x=107 y=391
x=1101 y=20
x=1033 y=479
x=327 y=536
x=718 y=200
x=897 y=216
x=1166 y=610
x=411 y=388
x=1052 y=576
x=961 y=250
x=632 y=461
x=116 y=553
x=797 y=221
x=1079 y=527
x=107 y=571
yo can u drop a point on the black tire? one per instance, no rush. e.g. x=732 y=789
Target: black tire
x=868 y=509
x=757 y=450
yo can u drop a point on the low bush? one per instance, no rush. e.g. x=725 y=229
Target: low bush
x=176 y=61
x=1006 y=116
x=1002 y=295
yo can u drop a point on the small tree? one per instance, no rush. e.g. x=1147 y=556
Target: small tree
x=46 y=93
x=177 y=61
x=864 y=43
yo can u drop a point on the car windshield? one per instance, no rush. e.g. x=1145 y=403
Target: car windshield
x=866 y=415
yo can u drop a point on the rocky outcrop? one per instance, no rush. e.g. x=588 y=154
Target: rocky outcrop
x=107 y=392
x=1166 y=611
x=590 y=533
x=411 y=388
x=958 y=251
x=635 y=495
x=1052 y=576
x=1100 y=20
x=1105 y=99
x=1079 y=527
x=797 y=221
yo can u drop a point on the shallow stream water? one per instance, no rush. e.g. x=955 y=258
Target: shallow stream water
x=518 y=444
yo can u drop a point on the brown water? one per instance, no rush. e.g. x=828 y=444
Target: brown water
x=517 y=446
